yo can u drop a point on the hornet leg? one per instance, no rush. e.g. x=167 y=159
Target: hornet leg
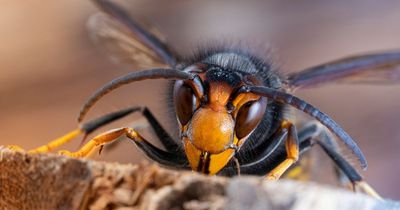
x=165 y=158
x=84 y=129
x=315 y=134
x=292 y=151
x=89 y=127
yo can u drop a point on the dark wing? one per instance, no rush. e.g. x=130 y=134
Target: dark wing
x=127 y=40
x=380 y=68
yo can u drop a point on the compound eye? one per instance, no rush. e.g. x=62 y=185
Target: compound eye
x=248 y=116
x=185 y=101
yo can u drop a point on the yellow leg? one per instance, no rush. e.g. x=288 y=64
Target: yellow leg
x=364 y=187
x=277 y=172
x=302 y=170
x=102 y=139
x=84 y=129
x=51 y=145
x=57 y=142
x=15 y=148
x=292 y=150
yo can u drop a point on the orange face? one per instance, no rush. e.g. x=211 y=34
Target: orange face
x=214 y=122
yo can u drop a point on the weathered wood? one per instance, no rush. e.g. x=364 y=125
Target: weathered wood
x=55 y=182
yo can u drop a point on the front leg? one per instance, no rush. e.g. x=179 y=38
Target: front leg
x=84 y=129
x=165 y=158
x=292 y=151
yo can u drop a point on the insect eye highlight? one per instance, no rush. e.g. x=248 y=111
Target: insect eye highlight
x=185 y=101
x=248 y=116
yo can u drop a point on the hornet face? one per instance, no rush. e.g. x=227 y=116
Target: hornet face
x=214 y=119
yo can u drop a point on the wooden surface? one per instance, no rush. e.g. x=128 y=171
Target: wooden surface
x=55 y=182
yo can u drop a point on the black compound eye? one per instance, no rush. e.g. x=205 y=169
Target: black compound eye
x=248 y=116
x=185 y=101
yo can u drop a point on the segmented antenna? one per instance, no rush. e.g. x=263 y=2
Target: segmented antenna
x=307 y=108
x=129 y=78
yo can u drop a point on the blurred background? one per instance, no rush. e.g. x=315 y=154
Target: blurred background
x=49 y=66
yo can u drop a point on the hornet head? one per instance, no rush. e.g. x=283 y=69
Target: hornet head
x=215 y=119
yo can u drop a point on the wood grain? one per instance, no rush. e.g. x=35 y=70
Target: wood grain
x=48 y=181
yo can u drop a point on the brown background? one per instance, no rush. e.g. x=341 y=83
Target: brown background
x=48 y=65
